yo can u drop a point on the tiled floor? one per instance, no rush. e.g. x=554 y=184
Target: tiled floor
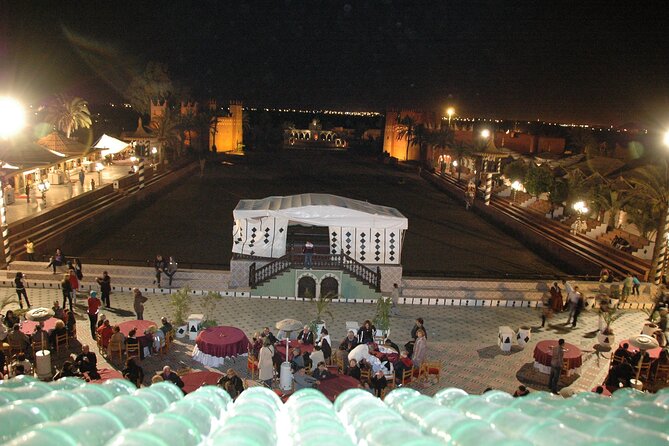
x=464 y=339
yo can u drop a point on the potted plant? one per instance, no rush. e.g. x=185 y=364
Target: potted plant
x=606 y=336
x=382 y=318
x=321 y=303
x=180 y=302
x=614 y=294
x=209 y=303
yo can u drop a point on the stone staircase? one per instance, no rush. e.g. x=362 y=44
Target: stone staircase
x=123 y=278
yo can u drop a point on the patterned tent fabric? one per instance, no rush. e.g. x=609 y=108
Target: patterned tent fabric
x=64 y=146
x=70 y=411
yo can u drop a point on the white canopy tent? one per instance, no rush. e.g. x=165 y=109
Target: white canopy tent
x=366 y=232
x=110 y=145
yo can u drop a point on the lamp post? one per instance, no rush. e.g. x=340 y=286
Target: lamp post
x=450 y=111
x=12 y=121
x=581 y=208
x=485 y=134
x=515 y=186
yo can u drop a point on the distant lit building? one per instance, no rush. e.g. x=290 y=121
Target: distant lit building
x=227 y=134
x=315 y=137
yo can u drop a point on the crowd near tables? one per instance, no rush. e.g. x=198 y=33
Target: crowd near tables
x=543 y=353
x=281 y=348
x=214 y=344
x=654 y=353
x=28 y=327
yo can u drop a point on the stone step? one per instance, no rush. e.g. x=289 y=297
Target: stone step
x=472 y=294
x=95 y=270
x=436 y=283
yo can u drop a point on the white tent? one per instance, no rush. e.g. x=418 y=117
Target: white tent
x=366 y=232
x=110 y=145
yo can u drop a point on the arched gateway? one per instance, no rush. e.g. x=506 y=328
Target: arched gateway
x=358 y=257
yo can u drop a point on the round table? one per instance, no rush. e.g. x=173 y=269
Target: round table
x=141 y=326
x=214 y=344
x=106 y=374
x=28 y=327
x=653 y=353
x=281 y=348
x=332 y=387
x=543 y=353
x=195 y=380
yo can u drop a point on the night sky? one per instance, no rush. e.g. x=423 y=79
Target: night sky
x=587 y=61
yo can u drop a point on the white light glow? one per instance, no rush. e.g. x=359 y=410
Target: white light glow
x=666 y=138
x=516 y=185
x=12 y=117
x=485 y=133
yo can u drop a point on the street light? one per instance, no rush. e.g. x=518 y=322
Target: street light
x=516 y=186
x=12 y=117
x=485 y=133
x=580 y=207
x=450 y=111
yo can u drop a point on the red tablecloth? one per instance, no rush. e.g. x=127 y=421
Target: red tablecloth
x=222 y=342
x=141 y=326
x=332 y=387
x=654 y=353
x=195 y=380
x=281 y=348
x=28 y=327
x=543 y=353
x=106 y=374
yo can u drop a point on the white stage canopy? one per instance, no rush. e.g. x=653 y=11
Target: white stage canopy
x=110 y=145
x=366 y=232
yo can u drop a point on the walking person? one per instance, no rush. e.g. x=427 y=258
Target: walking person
x=578 y=307
x=20 y=286
x=159 y=265
x=572 y=300
x=557 y=302
x=74 y=282
x=308 y=252
x=27 y=191
x=78 y=270
x=105 y=288
x=556 y=366
x=30 y=250
x=93 y=310
x=546 y=308
x=66 y=288
x=628 y=282
x=395 y=298
x=171 y=269
x=139 y=304
x=636 y=283
x=82 y=178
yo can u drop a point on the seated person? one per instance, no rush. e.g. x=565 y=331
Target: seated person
x=620 y=375
x=166 y=327
x=298 y=359
x=131 y=340
x=256 y=344
x=18 y=338
x=402 y=364
x=58 y=311
x=3 y=331
x=169 y=375
x=133 y=373
x=70 y=323
x=158 y=338
x=349 y=342
x=303 y=381
x=321 y=372
x=599 y=390
x=378 y=383
x=306 y=336
x=117 y=340
x=521 y=391
x=232 y=383
x=663 y=359
x=105 y=331
x=58 y=330
x=316 y=357
x=87 y=362
x=40 y=335
x=11 y=319
x=360 y=352
x=18 y=371
x=621 y=352
x=3 y=360
x=268 y=334
x=23 y=362
x=353 y=369
x=101 y=321
x=390 y=344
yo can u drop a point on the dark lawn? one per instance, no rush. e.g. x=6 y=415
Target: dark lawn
x=193 y=222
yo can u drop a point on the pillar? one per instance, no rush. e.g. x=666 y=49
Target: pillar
x=140 y=171
x=5 y=228
x=662 y=254
x=488 y=188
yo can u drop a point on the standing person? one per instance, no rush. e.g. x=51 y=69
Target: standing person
x=159 y=266
x=21 y=289
x=419 y=349
x=325 y=343
x=636 y=283
x=58 y=259
x=78 y=269
x=572 y=301
x=171 y=269
x=27 y=191
x=82 y=178
x=395 y=298
x=68 y=184
x=556 y=366
x=628 y=282
x=557 y=301
x=139 y=303
x=366 y=332
x=308 y=252
x=105 y=288
x=265 y=363
x=30 y=250
x=546 y=308
x=74 y=282
x=66 y=288
x=93 y=310
x=578 y=306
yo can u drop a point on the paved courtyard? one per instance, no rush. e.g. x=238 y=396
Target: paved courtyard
x=463 y=339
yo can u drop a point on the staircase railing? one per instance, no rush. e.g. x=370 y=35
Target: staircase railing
x=368 y=276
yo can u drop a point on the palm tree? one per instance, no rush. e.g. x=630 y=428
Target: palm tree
x=651 y=184
x=407 y=131
x=644 y=215
x=166 y=130
x=421 y=136
x=461 y=151
x=69 y=114
x=609 y=199
x=442 y=139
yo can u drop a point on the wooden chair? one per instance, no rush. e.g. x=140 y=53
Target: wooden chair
x=430 y=368
x=61 y=340
x=115 y=348
x=169 y=339
x=365 y=375
x=340 y=364
x=644 y=370
x=565 y=368
x=132 y=351
x=15 y=347
x=37 y=345
x=252 y=366
x=615 y=360
x=98 y=340
x=661 y=374
x=406 y=377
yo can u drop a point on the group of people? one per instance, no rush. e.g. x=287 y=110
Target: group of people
x=553 y=302
x=624 y=365
x=168 y=267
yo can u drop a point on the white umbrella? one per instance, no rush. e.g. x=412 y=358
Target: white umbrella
x=643 y=342
x=40 y=314
x=288 y=326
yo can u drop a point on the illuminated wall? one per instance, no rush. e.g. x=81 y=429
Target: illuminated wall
x=398 y=147
x=229 y=134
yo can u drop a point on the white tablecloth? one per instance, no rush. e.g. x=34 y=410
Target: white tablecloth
x=547 y=370
x=209 y=360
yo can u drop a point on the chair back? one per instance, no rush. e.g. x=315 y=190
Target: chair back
x=407 y=376
x=352 y=325
x=365 y=375
x=132 y=351
x=61 y=339
x=662 y=373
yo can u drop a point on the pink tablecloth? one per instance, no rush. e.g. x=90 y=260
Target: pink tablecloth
x=543 y=353
x=106 y=374
x=28 y=327
x=654 y=353
x=195 y=380
x=332 y=387
x=141 y=326
x=222 y=342
x=281 y=348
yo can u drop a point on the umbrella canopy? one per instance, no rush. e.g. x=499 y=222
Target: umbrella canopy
x=644 y=342
x=289 y=325
x=39 y=314
x=63 y=145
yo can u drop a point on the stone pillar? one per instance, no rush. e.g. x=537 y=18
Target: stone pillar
x=140 y=171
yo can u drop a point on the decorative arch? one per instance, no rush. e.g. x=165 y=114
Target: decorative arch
x=329 y=284
x=306 y=282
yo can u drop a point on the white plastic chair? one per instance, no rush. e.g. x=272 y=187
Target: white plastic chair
x=352 y=326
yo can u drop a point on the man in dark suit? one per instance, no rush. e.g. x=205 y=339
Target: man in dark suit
x=169 y=375
x=305 y=336
x=268 y=334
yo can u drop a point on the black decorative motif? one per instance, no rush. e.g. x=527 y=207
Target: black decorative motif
x=348 y=234
x=281 y=230
x=334 y=234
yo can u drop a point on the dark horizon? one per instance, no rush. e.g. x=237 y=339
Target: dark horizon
x=594 y=62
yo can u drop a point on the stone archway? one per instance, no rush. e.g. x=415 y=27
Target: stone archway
x=306 y=287
x=329 y=285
